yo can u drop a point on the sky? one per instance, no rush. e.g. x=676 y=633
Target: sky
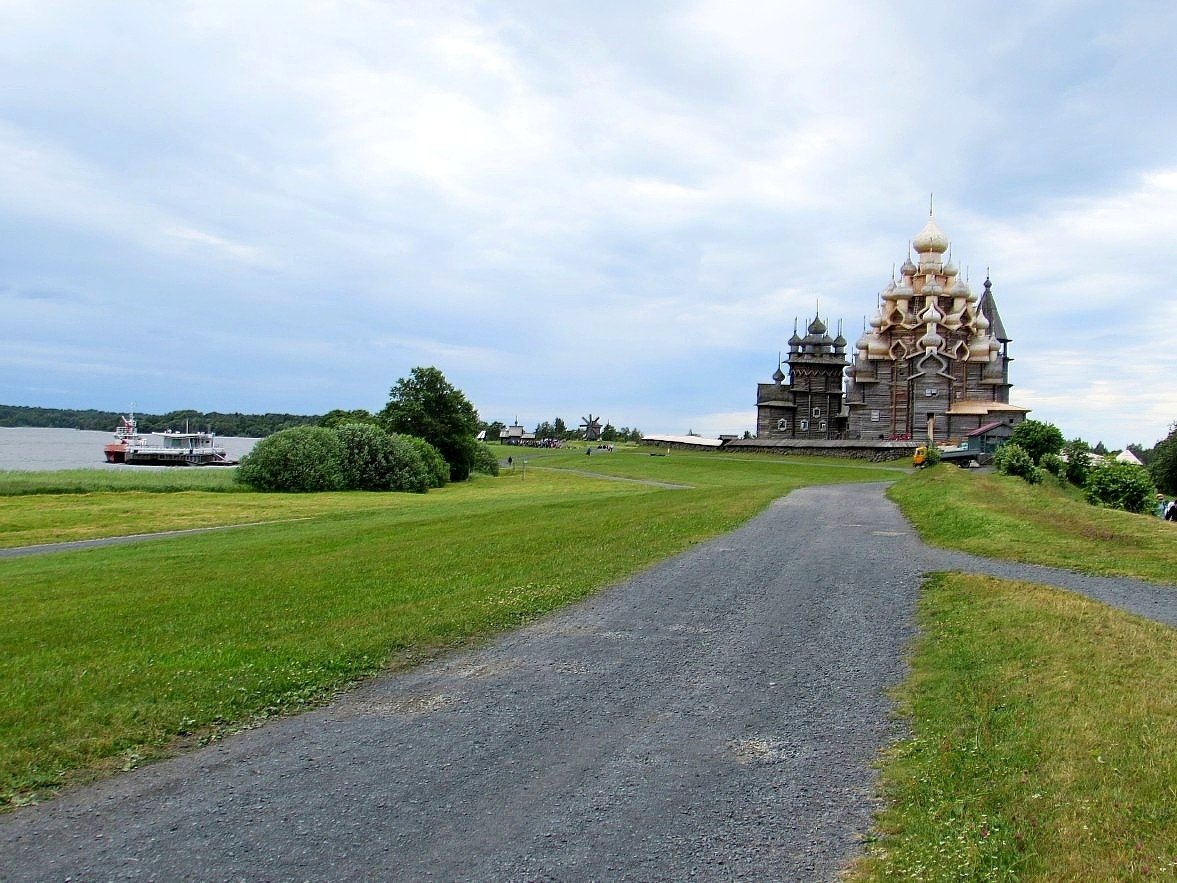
x=615 y=208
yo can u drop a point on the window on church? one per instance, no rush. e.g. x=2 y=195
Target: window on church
x=874 y=416
x=817 y=412
x=782 y=424
x=804 y=425
x=823 y=426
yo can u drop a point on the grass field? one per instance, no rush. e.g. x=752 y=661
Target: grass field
x=1043 y=726
x=114 y=655
x=1004 y=517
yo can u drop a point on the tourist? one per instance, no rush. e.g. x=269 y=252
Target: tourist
x=1161 y=510
x=1171 y=511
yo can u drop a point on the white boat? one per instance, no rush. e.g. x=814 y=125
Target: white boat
x=164 y=449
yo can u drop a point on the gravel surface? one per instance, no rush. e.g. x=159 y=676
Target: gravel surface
x=715 y=717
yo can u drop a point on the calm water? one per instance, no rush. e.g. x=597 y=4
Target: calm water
x=45 y=449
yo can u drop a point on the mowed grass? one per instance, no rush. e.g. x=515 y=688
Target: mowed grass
x=1004 y=517
x=119 y=654
x=1043 y=725
x=122 y=478
x=1043 y=746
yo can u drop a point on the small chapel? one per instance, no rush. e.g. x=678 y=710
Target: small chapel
x=932 y=364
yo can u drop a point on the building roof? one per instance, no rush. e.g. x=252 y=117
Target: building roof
x=988 y=427
x=683 y=440
x=1126 y=456
x=984 y=407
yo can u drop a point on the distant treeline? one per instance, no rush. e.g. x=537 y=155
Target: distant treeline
x=247 y=425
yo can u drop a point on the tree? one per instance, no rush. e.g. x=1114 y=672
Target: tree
x=559 y=429
x=609 y=433
x=1162 y=465
x=1099 y=449
x=1037 y=438
x=427 y=406
x=1078 y=464
x=339 y=417
x=301 y=459
x=1121 y=486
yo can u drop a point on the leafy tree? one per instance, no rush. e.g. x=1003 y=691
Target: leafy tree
x=748 y=434
x=1121 y=486
x=635 y=435
x=1037 y=438
x=559 y=429
x=1055 y=465
x=1012 y=459
x=1078 y=462
x=492 y=429
x=1162 y=465
x=338 y=417
x=1100 y=449
x=427 y=406
x=301 y=459
x=932 y=456
x=608 y=433
x=545 y=430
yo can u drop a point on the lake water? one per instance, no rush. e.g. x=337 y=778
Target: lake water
x=45 y=449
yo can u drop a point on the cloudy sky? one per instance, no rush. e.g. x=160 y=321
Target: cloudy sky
x=615 y=207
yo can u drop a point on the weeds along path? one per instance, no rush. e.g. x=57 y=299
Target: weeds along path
x=714 y=717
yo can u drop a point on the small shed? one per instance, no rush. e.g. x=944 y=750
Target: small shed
x=988 y=438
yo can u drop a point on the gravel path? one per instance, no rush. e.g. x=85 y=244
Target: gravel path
x=713 y=717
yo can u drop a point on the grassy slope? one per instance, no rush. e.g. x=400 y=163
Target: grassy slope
x=112 y=654
x=1003 y=517
x=1043 y=725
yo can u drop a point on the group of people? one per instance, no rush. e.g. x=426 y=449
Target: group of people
x=1166 y=509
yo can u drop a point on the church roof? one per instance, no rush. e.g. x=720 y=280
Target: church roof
x=988 y=306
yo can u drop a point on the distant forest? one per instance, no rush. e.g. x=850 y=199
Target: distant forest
x=247 y=425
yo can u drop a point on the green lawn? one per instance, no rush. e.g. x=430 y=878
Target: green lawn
x=1043 y=726
x=116 y=654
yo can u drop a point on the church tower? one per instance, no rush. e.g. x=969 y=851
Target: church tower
x=809 y=406
x=934 y=361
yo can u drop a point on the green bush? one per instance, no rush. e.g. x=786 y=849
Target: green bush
x=302 y=459
x=485 y=460
x=1037 y=439
x=1012 y=459
x=435 y=465
x=1121 y=486
x=1078 y=464
x=407 y=470
x=1055 y=465
x=367 y=462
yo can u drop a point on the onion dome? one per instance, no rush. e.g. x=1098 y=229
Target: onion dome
x=960 y=288
x=863 y=342
x=876 y=320
x=904 y=291
x=877 y=347
x=979 y=347
x=931 y=341
x=930 y=239
x=778 y=375
x=932 y=288
x=908 y=268
x=817 y=326
x=950 y=269
x=794 y=342
x=888 y=293
x=931 y=315
x=981 y=323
